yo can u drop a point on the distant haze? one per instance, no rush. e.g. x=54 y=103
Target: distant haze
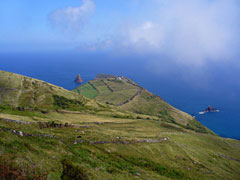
x=190 y=31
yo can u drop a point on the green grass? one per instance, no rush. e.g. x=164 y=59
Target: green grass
x=116 y=97
x=110 y=91
x=64 y=103
x=26 y=92
x=187 y=155
x=116 y=92
x=86 y=90
x=31 y=94
x=72 y=172
x=9 y=110
x=48 y=152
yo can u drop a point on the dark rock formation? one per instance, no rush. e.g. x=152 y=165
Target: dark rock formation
x=210 y=109
x=78 y=79
x=15 y=121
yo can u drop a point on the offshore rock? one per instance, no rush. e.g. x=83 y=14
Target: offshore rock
x=209 y=109
x=78 y=79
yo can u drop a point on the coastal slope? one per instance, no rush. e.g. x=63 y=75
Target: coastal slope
x=23 y=92
x=103 y=141
x=125 y=94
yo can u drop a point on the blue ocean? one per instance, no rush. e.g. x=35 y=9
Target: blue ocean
x=220 y=87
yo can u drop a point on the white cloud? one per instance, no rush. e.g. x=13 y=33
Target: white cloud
x=72 y=19
x=148 y=33
x=189 y=31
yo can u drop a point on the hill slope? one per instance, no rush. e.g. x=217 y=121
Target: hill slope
x=128 y=96
x=31 y=95
x=21 y=91
x=84 y=144
x=103 y=148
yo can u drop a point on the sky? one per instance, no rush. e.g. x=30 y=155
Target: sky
x=191 y=32
x=32 y=22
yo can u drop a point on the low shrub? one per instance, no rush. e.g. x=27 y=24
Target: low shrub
x=71 y=172
x=64 y=103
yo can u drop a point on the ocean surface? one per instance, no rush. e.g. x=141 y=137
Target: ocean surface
x=186 y=88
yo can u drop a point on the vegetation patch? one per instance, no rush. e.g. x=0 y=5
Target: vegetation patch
x=87 y=90
x=196 y=126
x=22 y=111
x=9 y=170
x=63 y=103
x=71 y=172
x=160 y=169
x=52 y=124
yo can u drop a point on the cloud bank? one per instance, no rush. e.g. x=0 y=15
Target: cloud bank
x=189 y=31
x=72 y=19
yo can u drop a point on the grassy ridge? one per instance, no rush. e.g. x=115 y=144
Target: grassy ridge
x=128 y=96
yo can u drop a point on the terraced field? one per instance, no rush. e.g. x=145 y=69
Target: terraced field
x=125 y=95
x=110 y=90
x=87 y=90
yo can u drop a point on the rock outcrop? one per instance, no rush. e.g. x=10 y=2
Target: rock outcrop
x=210 y=109
x=78 y=79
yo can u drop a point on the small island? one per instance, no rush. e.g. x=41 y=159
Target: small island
x=209 y=109
x=78 y=79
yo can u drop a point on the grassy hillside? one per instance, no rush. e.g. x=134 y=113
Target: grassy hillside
x=87 y=91
x=100 y=148
x=21 y=95
x=21 y=91
x=78 y=138
x=128 y=96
